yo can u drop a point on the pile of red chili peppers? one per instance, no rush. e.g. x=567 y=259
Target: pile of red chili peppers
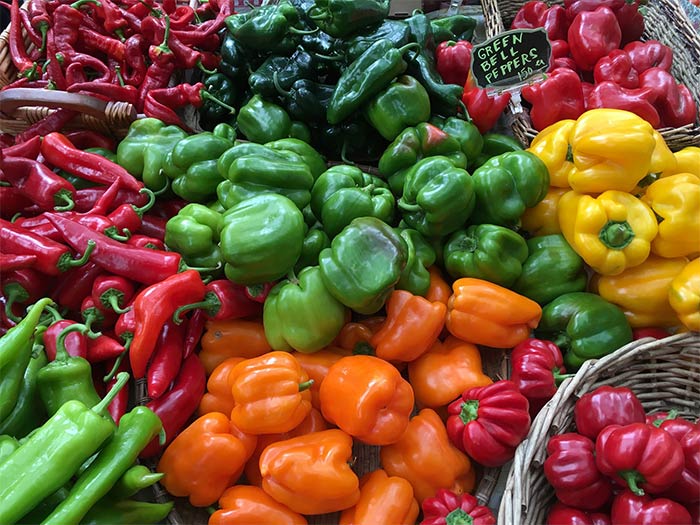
x=126 y=51
x=100 y=253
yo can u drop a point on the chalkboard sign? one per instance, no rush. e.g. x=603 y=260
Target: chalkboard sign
x=511 y=58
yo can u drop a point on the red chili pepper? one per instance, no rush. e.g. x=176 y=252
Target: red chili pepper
x=120 y=404
x=177 y=406
x=53 y=122
x=125 y=327
x=153 y=226
x=113 y=21
x=88 y=198
x=167 y=358
x=18 y=52
x=41 y=225
x=222 y=300
x=193 y=335
x=639 y=101
x=617 y=67
x=74 y=285
x=74 y=341
x=453 y=60
x=55 y=59
x=53 y=258
x=38 y=183
x=87 y=138
x=66 y=28
x=100 y=43
x=181 y=17
x=11 y=261
x=205 y=42
x=77 y=70
x=12 y=202
x=558 y=97
x=606 y=405
x=561 y=514
x=630 y=508
x=141 y=265
x=112 y=292
x=648 y=54
x=144 y=241
x=592 y=35
x=128 y=217
x=489 y=422
x=447 y=507
x=673 y=101
x=483 y=109
x=60 y=152
x=570 y=468
x=161 y=103
x=102 y=348
x=21 y=286
x=154 y=30
x=35 y=31
x=535 y=14
x=127 y=93
x=537 y=368
x=158 y=73
x=134 y=68
x=153 y=306
x=28 y=149
x=94 y=315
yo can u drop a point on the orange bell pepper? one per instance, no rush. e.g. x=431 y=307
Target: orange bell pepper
x=314 y=422
x=542 y=219
x=439 y=289
x=232 y=338
x=270 y=393
x=485 y=313
x=205 y=459
x=218 y=397
x=440 y=375
x=316 y=366
x=367 y=398
x=310 y=474
x=355 y=336
x=246 y=505
x=383 y=500
x=425 y=457
x=412 y=325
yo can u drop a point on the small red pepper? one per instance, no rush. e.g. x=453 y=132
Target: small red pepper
x=134 y=67
x=87 y=198
x=617 y=67
x=571 y=470
x=41 y=225
x=639 y=101
x=112 y=19
x=144 y=241
x=125 y=327
x=161 y=103
x=193 y=335
x=592 y=35
x=453 y=60
x=484 y=110
x=93 y=315
x=75 y=340
x=489 y=422
x=639 y=456
x=100 y=43
x=38 y=183
x=28 y=149
x=112 y=292
x=21 y=286
x=167 y=358
x=671 y=423
x=259 y=292
x=129 y=217
x=448 y=508
x=630 y=508
x=223 y=300
x=673 y=101
x=650 y=53
x=561 y=514
x=606 y=405
x=126 y=93
x=103 y=348
x=558 y=97
x=120 y=404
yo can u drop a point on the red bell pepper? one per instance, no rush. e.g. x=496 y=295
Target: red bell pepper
x=626 y=11
x=606 y=405
x=639 y=456
x=643 y=510
x=678 y=427
x=560 y=514
x=687 y=488
x=223 y=300
x=617 y=67
x=537 y=367
x=571 y=470
x=535 y=13
x=639 y=101
x=453 y=60
x=489 y=422
x=560 y=48
x=656 y=333
x=448 y=508
x=167 y=358
x=650 y=53
x=484 y=110
x=592 y=35
x=559 y=97
x=673 y=101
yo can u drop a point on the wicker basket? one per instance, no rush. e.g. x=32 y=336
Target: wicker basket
x=664 y=374
x=665 y=21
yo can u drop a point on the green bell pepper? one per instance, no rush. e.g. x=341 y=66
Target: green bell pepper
x=226 y=131
x=28 y=412
x=343 y=193
x=438 y=197
x=352 y=140
x=363 y=264
x=243 y=149
x=144 y=149
x=313 y=159
x=224 y=89
x=584 y=326
x=261 y=239
x=262 y=121
x=506 y=185
x=280 y=73
x=300 y=131
x=263 y=28
x=194 y=232
x=301 y=314
x=307 y=100
x=319 y=42
x=402 y=104
x=415 y=277
x=314 y=241
x=494 y=144
x=340 y=18
x=551 y=269
x=455 y=27
x=396 y=31
x=466 y=133
x=486 y=251
x=234 y=62
x=365 y=77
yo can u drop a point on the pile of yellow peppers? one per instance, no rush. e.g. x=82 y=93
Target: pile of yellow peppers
x=630 y=208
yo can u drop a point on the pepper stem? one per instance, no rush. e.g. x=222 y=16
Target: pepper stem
x=55 y=314
x=61 y=350
x=296 y=31
x=363 y=348
x=117 y=362
x=616 y=234
x=569 y=153
x=211 y=305
x=14 y=293
x=458 y=517
x=633 y=479
x=411 y=46
x=408 y=207
x=208 y=96
x=63 y=196
x=122 y=379
x=469 y=411
x=113 y=302
x=151 y=201
x=163 y=47
x=113 y=233
x=118 y=74
x=671 y=415
x=278 y=87
x=204 y=69
x=305 y=385
x=461 y=105
x=44 y=30
x=81 y=3
x=559 y=378
x=83 y=259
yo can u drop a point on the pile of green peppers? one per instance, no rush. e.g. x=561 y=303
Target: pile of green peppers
x=62 y=457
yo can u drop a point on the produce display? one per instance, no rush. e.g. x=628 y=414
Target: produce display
x=310 y=243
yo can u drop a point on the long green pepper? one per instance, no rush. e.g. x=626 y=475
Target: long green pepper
x=29 y=411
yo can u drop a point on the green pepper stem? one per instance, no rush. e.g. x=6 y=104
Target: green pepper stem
x=208 y=96
x=162 y=436
x=633 y=479
x=458 y=517
x=122 y=379
x=560 y=378
x=44 y=30
x=163 y=47
x=305 y=385
x=408 y=207
x=461 y=105
x=363 y=348
x=211 y=304
x=81 y=3
x=469 y=411
x=61 y=351
x=63 y=196
x=315 y=13
x=54 y=313
x=114 y=304
x=343 y=154
x=151 y=201
x=671 y=415
x=14 y=293
x=113 y=233
x=117 y=362
x=278 y=87
x=201 y=67
x=616 y=234
x=569 y=153
x=296 y=31
x=83 y=259
x=411 y=46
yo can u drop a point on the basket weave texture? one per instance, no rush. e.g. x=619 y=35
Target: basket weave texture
x=664 y=374
x=665 y=21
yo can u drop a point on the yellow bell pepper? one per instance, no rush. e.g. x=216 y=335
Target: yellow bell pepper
x=552 y=146
x=687 y=161
x=663 y=163
x=542 y=219
x=612 y=150
x=684 y=295
x=676 y=201
x=642 y=292
x=610 y=232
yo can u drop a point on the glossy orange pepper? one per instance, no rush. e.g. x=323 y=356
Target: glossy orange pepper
x=205 y=459
x=270 y=393
x=412 y=325
x=383 y=500
x=218 y=397
x=316 y=366
x=367 y=398
x=232 y=338
x=485 y=313
x=440 y=375
x=425 y=457
x=246 y=505
x=543 y=219
x=310 y=474
x=439 y=289
x=355 y=335
x=314 y=422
